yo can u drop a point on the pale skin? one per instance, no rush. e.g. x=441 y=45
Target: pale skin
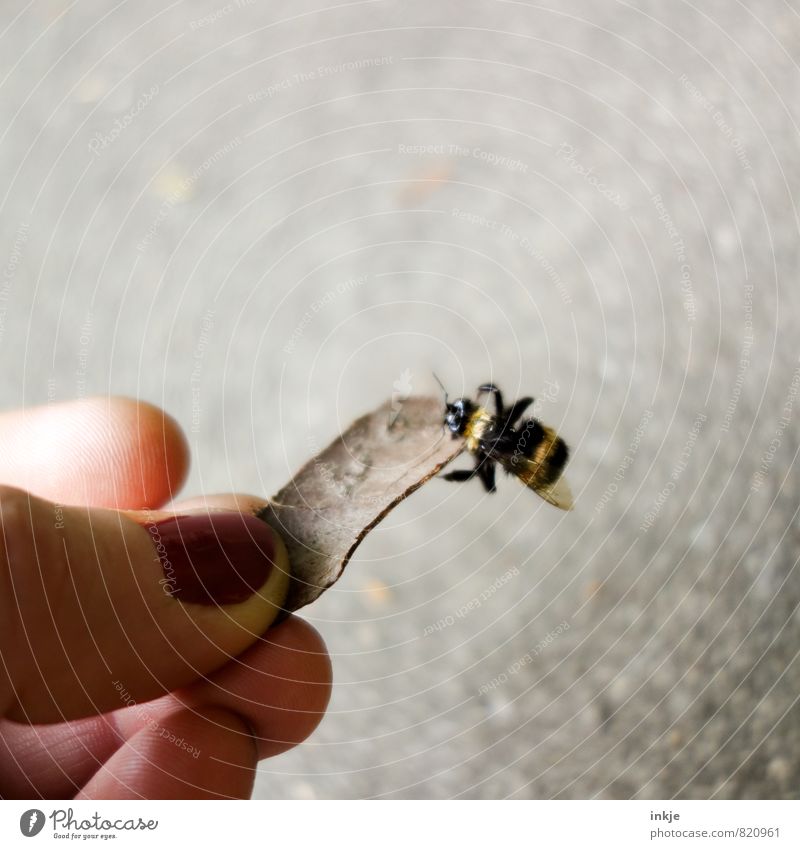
x=211 y=693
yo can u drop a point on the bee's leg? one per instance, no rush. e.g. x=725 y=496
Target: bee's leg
x=498 y=396
x=460 y=475
x=512 y=415
x=486 y=471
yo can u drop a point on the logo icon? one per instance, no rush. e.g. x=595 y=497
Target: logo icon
x=31 y=822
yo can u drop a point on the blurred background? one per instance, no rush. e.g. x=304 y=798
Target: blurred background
x=267 y=217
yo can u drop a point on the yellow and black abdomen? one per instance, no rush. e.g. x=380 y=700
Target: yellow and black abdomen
x=539 y=456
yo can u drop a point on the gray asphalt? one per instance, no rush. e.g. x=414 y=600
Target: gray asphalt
x=268 y=217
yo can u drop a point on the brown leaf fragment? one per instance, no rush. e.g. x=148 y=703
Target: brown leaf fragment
x=339 y=496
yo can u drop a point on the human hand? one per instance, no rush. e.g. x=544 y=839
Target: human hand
x=111 y=686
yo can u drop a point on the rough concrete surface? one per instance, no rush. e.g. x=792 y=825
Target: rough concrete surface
x=270 y=216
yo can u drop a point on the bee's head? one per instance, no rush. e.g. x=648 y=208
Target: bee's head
x=457 y=415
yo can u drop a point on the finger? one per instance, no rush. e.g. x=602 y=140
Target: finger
x=92 y=603
x=206 y=754
x=104 y=452
x=280 y=687
x=54 y=761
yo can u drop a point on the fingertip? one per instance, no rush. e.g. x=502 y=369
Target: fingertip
x=307 y=695
x=303 y=652
x=153 y=450
x=281 y=686
x=100 y=452
x=297 y=636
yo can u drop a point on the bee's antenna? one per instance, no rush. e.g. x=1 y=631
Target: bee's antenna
x=440 y=384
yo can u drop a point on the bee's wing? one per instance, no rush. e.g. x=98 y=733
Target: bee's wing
x=558 y=494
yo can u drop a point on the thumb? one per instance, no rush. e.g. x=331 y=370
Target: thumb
x=94 y=604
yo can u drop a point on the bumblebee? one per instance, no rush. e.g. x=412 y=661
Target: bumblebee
x=531 y=451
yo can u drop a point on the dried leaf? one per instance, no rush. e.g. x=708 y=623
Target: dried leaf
x=339 y=496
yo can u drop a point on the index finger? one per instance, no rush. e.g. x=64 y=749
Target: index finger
x=100 y=452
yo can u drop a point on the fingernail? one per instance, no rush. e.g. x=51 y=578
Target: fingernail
x=213 y=558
